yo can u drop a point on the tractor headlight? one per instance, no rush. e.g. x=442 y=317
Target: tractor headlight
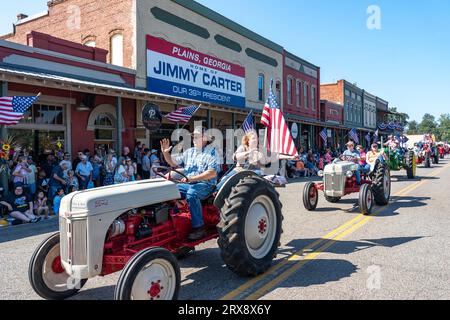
x=320 y=173
x=349 y=174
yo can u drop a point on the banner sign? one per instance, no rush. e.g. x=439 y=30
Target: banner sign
x=181 y=72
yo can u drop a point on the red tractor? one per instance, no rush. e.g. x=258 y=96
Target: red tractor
x=140 y=229
x=425 y=155
x=339 y=180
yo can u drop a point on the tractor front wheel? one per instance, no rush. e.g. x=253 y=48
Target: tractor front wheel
x=310 y=196
x=152 y=274
x=46 y=274
x=366 y=199
x=250 y=227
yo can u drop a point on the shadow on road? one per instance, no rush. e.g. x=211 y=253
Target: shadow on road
x=402 y=203
x=28 y=230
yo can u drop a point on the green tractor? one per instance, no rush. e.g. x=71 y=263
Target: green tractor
x=402 y=159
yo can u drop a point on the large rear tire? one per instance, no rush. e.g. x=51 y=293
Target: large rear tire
x=250 y=227
x=411 y=164
x=46 y=274
x=381 y=186
x=366 y=199
x=310 y=196
x=152 y=274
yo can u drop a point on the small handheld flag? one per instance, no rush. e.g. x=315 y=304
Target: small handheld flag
x=368 y=138
x=354 y=135
x=182 y=115
x=12 y=109
x=248 y=124
x=324 y=135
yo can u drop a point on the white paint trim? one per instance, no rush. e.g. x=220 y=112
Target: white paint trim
x=108 y=109
x=44 y=99
x=16 y=46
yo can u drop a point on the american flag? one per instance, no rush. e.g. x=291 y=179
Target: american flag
x=324 y=135
x=12 y=109
x=182 y=115
x=279 y=139
x=368 y=138
x=354 y=135
x=248 y=124
x=376 y=136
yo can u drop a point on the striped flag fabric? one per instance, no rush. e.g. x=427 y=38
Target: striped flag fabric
x=368 y=138
x=376 y=136
x=353 y=134
x=279 y=139
x=12 y=109
x=182 y=115
x=324 y=135
x=248 y=124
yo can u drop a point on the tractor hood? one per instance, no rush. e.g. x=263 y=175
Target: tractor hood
x=122 y=197
x=340 y=167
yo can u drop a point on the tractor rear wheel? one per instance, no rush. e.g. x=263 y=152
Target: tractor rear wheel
x=332 y=199
x=46 y=274
x=381 y=185
x=411 y=164
x=152 y=274
x=427 y=161
x=250 y=227
x=310 y=196
x=366 y=199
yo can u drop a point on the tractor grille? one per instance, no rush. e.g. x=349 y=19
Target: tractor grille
x=333 y=184
x=73 y=241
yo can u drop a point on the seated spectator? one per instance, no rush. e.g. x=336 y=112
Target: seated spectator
x=71 y=182
x=20 y=206
x=42 y=182
x=40 y=205
x=57 y=200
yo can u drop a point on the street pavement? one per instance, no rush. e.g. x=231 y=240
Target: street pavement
x=401 y=251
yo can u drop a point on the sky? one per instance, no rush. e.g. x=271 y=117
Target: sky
x=404 y=60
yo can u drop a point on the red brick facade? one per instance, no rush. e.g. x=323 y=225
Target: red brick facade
x=333 y=92
x=80 y=21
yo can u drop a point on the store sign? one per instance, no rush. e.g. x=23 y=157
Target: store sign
x=181 y=72
x=151 y=117
x=294 y=131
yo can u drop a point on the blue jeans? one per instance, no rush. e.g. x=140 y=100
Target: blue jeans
x=194 y=193
x=32 y=187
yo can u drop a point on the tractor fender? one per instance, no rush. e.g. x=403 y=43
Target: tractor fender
x=225 y=191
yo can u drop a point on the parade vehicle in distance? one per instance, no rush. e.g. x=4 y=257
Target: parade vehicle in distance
x=141 y=228
x=339 y=180
x=402 y=158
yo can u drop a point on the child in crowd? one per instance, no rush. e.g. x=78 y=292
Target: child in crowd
x=57 y=200
x=71 y=181
x=42 y=182
x=40 y=204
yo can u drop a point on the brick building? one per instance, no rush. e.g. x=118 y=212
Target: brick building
x=301 y=97
x=331 y=117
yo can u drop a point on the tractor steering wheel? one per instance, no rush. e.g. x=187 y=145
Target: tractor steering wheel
x=156 y=169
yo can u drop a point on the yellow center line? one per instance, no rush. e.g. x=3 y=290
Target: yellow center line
x=329 y=240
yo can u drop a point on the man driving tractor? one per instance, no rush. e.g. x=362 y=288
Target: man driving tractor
x=201 y=169
x=355 y=157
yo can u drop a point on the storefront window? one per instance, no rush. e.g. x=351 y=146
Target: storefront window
x=289 y=91
x=298 y=90
x=44 y=114
x=104 y=128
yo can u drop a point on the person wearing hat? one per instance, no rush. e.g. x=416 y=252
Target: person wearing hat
x=201 y=168
x=374 y=154
x=20 y=205
x=355 y=156
x=84 y=172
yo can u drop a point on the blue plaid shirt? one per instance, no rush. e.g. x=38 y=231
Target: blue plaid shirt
x=196 y=162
